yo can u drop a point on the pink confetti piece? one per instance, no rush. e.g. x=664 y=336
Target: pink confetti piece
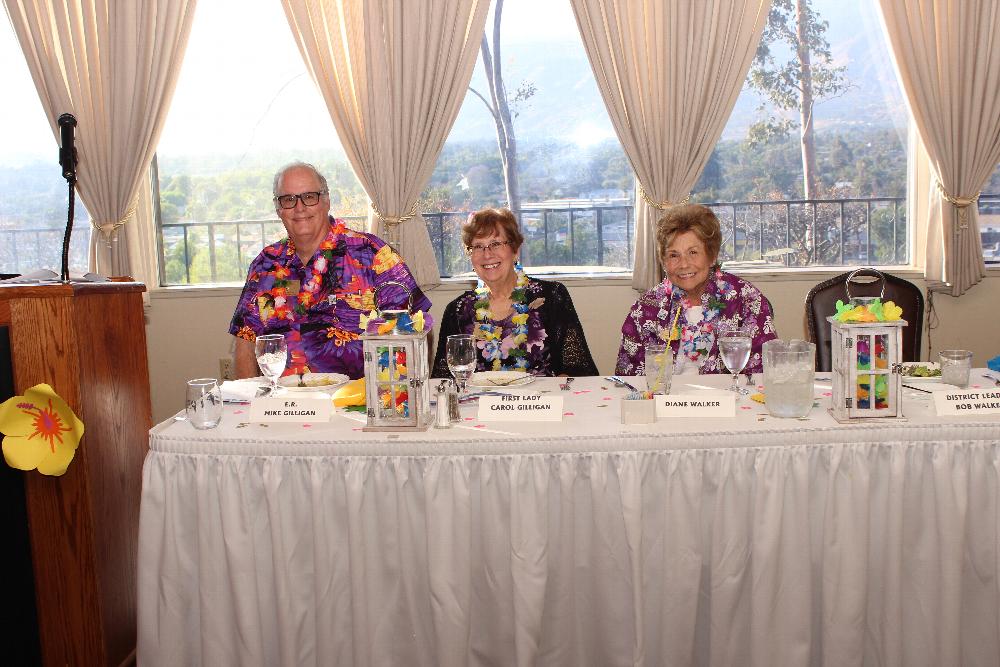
x=977 y=386
x=469 y=419
x=307 y=426
x=479 y=426
x=568 y=414
x=760 y=387
x=745 y=407
x=356 y=428
x=607 y=398
x=828 y=393
x=237 y=412
x=582 y=391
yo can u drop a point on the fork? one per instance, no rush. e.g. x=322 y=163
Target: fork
x=503 y=383
x=565 y=385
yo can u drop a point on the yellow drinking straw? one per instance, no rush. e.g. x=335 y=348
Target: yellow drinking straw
x=673 y=327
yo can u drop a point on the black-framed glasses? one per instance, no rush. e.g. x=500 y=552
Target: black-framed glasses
x=308 y=199
x=492 y=246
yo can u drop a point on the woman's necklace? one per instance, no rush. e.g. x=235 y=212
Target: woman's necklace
x=492 y=334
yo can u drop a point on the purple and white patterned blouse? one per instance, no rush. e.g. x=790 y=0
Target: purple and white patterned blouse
x=728 y=300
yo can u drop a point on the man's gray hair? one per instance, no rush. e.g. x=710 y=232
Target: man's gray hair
x=297 y=165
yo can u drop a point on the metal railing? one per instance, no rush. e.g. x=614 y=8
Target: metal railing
x=790 y=233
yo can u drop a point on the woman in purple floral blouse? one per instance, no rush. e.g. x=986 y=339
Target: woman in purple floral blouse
x=695 y=300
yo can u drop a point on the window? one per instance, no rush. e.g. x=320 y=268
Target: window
x=239 y=113
x=33 y=193
x=852 y=209
x=573 y=185
x=989 y=218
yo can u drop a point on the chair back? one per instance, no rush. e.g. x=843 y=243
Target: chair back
x=821 y=302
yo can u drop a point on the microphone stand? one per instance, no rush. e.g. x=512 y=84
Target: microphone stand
x=67 y=160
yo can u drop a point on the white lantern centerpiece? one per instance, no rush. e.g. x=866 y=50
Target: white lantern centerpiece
x=396 y=367
x=866 y=346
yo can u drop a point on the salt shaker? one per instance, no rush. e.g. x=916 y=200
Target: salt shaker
x=442 y=415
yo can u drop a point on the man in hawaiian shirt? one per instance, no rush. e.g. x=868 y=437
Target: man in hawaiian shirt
x=314 y=285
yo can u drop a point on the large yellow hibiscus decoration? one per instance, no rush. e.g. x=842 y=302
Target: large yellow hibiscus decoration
x=41 y=431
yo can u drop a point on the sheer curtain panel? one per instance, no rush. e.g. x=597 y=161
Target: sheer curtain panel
x=947 y=53
x=669 y=72
x=393 y=75
x=113 y=64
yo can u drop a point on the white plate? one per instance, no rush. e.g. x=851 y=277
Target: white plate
x=919 y=378
x=493 y=379
x=314 y=381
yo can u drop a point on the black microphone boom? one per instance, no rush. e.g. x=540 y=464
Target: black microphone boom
x=67 y=160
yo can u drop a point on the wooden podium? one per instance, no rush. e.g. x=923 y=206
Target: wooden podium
x=88 y=341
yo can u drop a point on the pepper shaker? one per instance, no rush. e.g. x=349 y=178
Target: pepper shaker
x=442 y=415
x=456 y=415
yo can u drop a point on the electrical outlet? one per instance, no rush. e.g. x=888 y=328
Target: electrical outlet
x=226 y=370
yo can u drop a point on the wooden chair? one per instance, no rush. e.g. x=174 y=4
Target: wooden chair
x=822 y=299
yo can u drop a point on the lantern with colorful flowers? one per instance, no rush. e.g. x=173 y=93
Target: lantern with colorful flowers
x=396 y=367
x=866 y=346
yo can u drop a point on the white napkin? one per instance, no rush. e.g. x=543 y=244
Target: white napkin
x=239 y=391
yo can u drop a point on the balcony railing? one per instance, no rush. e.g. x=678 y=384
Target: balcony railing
x=788 y=233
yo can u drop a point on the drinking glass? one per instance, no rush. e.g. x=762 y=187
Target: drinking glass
x=659 y=368
x=272 y=355
x=461 y=356
x=734 y=347
x=789 y=372
x=203 y=406
x=955 y=367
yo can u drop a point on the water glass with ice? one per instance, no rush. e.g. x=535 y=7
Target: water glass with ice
x=789 y=372
x=204 y=403
x=271 y=351
x=955 y=367
x=659 y=368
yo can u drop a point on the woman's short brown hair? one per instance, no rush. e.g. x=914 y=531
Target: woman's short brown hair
x=689 y=218
x=489 y=220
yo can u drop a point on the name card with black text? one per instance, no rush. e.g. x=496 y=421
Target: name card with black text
x=518 y=408
x=967 y=402
x=722 y=404
x=281 y=409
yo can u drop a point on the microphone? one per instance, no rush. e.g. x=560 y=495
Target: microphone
x=67 y=151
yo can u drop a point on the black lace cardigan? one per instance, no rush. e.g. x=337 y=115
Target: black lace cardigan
x=564 y=350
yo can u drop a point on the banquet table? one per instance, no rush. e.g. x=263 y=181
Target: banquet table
x=749 y=540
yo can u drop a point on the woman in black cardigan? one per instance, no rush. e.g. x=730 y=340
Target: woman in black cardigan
x=517 y=322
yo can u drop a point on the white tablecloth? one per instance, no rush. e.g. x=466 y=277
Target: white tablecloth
x=745 y=541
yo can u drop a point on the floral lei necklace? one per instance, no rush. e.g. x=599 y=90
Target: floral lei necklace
x=491 y=335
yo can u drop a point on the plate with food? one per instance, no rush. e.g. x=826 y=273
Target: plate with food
x=921 y=371
x=313 y=381
x=489 y=379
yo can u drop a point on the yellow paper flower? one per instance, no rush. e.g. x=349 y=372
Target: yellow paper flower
x=41 y=431
x=891 y=311
x=520 y=318
x=418 y=321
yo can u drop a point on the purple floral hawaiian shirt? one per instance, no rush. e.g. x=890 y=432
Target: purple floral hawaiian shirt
x=727 y=301
x=317 y=305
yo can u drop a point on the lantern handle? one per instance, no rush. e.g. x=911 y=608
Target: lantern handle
x=409 y=295
x=864 y=271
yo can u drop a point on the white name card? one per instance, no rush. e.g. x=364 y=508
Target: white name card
x=722 y=404
x=521 y=408
x=283 y=409
x=967 y=402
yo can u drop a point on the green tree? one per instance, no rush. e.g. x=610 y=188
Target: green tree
x=799 y=82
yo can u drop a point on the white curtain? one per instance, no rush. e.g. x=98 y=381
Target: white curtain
x=947 y=53
x=394 y=75
x=669 y=72
x=113 y=64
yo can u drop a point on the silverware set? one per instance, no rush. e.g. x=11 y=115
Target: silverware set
x=614 y=379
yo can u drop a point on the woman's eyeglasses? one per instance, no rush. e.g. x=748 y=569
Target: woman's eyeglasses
x=478 y=249
x=308 y=198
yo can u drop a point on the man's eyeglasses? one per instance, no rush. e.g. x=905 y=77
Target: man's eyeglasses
x=308 y=198
x=492 y=246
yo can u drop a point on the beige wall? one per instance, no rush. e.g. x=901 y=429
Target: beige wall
x=187 y=327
